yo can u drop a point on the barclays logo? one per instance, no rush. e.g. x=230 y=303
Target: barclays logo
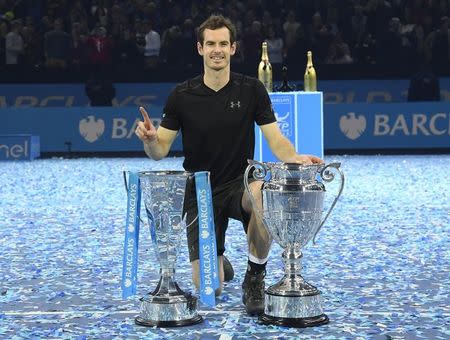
x=205 y=234
x=91 y=129
x=351 y=126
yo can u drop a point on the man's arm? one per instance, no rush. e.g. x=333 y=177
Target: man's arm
x=157 y=143
x=282 y=148
x=159 y=147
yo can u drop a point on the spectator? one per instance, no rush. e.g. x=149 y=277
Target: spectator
x=126 y=53
x=3 y=32
x=99 y=47
x=139 y=29
x=235 y=17
x=440 y=47
x=359 y=24
x=14 y=46
x=57 y=46
x=391 y=52
x=275 y=46
x=47 y=23
x=252 y=40
x=365 y=50
x=339 y=52
x=151 y=13
x=188 y=43
x=152 y=46
x=78 y=14
x=175 y=17
x=267 y=20
x=321 y=38
x=32 y=45
x=332 y=20
x=170 y=44
x=56 y=8
x=119 y=21
x=78 y=52
x=99 y=14
x=290 y=27
x=296 y=55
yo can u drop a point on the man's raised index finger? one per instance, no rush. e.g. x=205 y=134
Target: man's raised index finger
x=147 y=120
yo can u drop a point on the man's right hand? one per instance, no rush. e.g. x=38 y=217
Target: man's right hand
x=145 y=130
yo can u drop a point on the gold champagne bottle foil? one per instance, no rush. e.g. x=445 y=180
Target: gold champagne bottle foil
x=310 y=75
x=265 y=69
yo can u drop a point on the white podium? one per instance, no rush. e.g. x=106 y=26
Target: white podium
x=300 y=118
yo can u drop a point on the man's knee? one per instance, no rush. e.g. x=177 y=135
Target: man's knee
x=246 y=202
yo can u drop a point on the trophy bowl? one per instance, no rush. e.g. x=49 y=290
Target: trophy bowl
x=167 y=305
x=293 y=197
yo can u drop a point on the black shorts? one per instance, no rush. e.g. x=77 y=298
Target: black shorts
x=227 y=200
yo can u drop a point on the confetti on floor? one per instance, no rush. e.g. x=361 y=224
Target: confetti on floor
x=381 y=260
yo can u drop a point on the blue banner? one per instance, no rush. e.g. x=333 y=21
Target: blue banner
x=387 y=126
x=81 y=129
x=209 y=278
x=130 y=253
x=346 y=126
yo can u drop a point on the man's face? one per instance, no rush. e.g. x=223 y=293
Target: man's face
x=216 y=49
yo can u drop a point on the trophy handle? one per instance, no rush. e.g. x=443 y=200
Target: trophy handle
x=328 y=176
x=259 y=173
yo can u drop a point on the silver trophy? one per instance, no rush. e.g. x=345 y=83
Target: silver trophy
x=292 y=207
x=167 y=305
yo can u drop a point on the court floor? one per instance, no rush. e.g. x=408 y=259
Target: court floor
x=381 y=260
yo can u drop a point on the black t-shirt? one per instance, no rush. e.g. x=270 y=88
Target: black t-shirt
x=218 y=127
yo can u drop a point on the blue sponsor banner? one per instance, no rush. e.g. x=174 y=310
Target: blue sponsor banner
x=346 y=126
x=155 y=94
x=300 y=118
x=387 y=126
x=84 y=129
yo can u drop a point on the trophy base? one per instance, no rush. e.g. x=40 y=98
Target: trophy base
x=294 y=322
x=173 y=311
x=302 y=308
x=174 y=323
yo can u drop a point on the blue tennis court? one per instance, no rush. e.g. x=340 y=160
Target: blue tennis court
x=381 y=261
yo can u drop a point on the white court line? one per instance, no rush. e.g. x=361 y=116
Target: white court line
x=136 y=312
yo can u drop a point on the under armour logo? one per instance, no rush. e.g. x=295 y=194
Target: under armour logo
x=237 y=104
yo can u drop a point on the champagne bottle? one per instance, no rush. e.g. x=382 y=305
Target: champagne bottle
x=310 y=75
x=265 y=69
x=285 y=87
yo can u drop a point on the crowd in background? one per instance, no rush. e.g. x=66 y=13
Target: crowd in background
x=143 y=34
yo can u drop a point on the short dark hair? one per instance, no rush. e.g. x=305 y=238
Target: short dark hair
x=215 y=22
